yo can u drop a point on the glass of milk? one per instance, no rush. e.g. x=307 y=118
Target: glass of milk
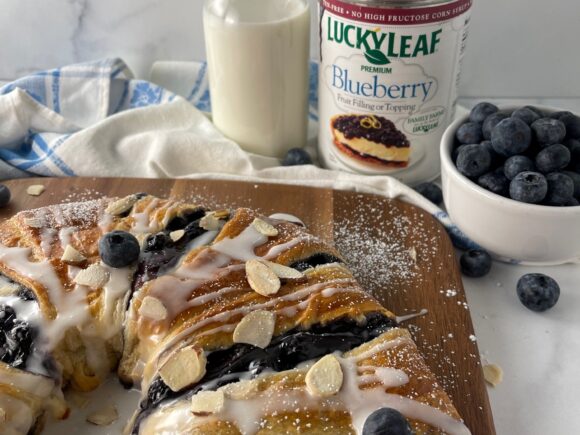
x=258 y=54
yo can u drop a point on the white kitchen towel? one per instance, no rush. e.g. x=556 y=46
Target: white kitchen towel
x=95 y=119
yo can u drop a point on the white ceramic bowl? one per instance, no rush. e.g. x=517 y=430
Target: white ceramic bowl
x=511 y=231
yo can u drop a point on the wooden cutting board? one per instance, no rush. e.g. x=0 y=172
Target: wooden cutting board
x=399 y=252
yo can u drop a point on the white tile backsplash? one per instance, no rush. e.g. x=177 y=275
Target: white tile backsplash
x=517 y=48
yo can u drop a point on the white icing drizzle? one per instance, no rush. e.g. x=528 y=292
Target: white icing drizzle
x=411 y=316
x=242 y=246
x=46 y=239
x=142 y=219
x=105 y=222
x=114 y=292
x=64 y=235
x=287 y=217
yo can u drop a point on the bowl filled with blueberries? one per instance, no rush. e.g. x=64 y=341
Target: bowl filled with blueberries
x=511 y=181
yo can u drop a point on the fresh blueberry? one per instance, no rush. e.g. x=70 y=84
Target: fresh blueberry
x=481 y=111
x=386 y=421
x=540 y=113
x=574 y=146
x=495 y=181
x=560 y=189
x=538 y=292
x=548 y=131
x=4 y=195
x=496 y=159
x=560 y=114
x=456 y=152
x=530 y=187
x=296 y=157
x=572 y=124
x=511 y=136
x=553 y=158
x=119 y=249
x=576 y=180
x=526 y=114
x=430 y=191
x=469 y=133
x=572 y=202
x=516 y=164
x=490 y=122
x=473 y=161
x=475 y=263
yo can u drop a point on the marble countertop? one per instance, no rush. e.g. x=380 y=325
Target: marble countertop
x=538 y=352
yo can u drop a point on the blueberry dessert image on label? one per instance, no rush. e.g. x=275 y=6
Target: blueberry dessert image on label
x=395 y=68
x=371 y=139
x=227 y=321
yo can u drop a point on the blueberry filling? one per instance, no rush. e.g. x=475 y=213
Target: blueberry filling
x=315 y=260
x=160 y=252
x=16 y=338
x=285 y=352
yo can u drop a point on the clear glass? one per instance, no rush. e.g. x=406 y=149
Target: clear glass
x=258 y=54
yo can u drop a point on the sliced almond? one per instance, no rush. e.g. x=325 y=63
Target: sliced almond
x=72 y=256
x=261 y=278
x=241 y=390
x=2 y=415
x=176 y=235
x=95 y=276
x=9 y=289
x=256 y=328
x=122 y=205
x=284 y=272
x=212 y=221
x=185 y=367
x=104 y=416
x=153 y=308
x=35 y=189
x=265 y=228
x=207 y=402
x=493 y=374
x=324 y=378
x=222 y=214
x=34 y=222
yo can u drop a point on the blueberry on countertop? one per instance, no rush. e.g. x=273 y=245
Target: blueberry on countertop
x=538 y=292
x=526 y=114
x=490 y=122
x=119 y=249
x=481 y=111
x=553 y=158
x=386 y=421
x=4 y=195
x=495 y=181
x=511 y=136
x=560 y=189
x=548 y=131
x=473 y=161
x=516 y=164
x=530 y=187
x=430 y=191
x=469 y=133
x=296 y=157
x=475 y=263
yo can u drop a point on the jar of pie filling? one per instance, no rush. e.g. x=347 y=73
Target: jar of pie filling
x=388 y=78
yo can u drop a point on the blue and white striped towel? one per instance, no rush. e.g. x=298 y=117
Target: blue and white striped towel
x=96 y=119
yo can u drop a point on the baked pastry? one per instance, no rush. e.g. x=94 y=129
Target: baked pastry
x=229 y=322
x=371 y=139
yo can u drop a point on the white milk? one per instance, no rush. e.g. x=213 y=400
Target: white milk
x=258 y=52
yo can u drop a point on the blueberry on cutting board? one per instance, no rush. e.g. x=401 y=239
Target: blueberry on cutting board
x=4 y=195
x=475 y=263
x=538 y=292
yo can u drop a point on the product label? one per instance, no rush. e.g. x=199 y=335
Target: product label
x=388 y=85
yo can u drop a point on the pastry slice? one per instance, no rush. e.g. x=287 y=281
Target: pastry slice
x=370 y=139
